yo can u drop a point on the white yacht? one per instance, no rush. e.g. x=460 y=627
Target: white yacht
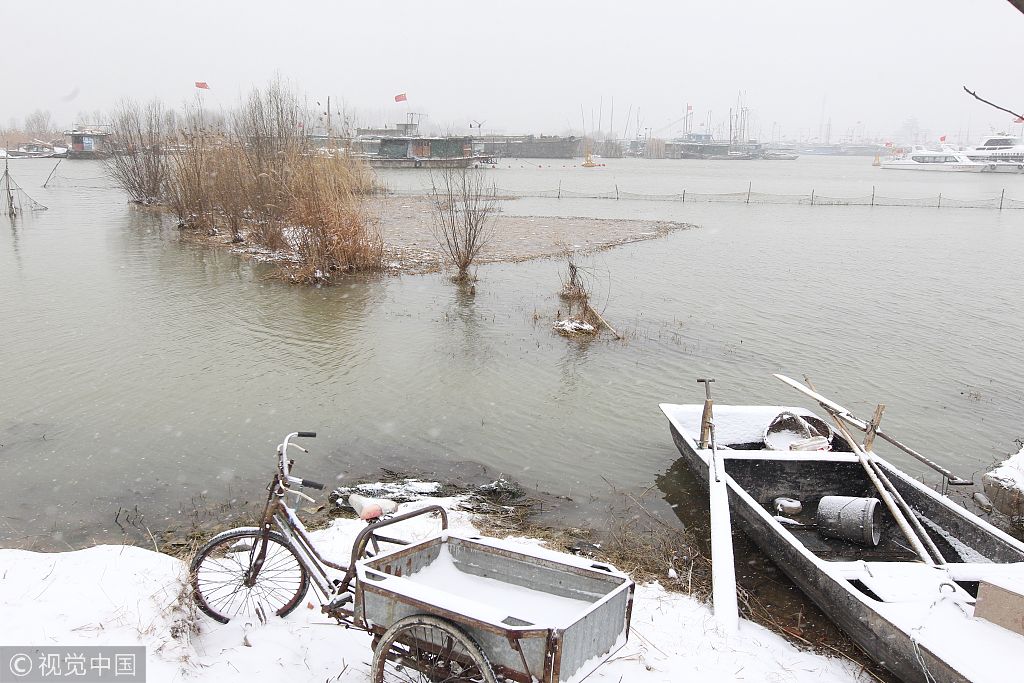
x=921 y=159
x=998 y=149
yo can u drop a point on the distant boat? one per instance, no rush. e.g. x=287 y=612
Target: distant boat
x=425 y=152
x=732 y=156
x=921 y=159
x=1003 y=167
x=778 y=155
x=998 y=148
x=36 y=149
x=88 y=143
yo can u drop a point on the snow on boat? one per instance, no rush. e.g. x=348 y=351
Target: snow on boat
x=815 y=514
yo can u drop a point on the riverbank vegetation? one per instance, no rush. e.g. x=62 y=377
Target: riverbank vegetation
x=252 y=175
x=464 y=205
x=581 y=318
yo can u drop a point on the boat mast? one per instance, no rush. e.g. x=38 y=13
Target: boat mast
x=730 y=130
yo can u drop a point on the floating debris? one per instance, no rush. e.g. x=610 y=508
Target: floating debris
x=571 y=326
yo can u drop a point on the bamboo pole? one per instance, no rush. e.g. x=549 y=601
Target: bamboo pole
x=603 y=321
x=869 y=434
x=862 y=425
x=883 y=492
x=869 y=437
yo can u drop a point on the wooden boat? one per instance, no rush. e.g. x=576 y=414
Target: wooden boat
x=916 y=619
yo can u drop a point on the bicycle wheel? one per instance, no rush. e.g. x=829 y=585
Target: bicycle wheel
x=422 y=649
x=219 y=569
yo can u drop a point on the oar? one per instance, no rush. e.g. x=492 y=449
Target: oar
x=862 y=457
x=874 y=468
x=848 y=417
x=723 y=568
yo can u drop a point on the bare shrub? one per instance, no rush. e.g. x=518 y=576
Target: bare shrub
x=139 y=164
x=576 y=291
x=464 y=205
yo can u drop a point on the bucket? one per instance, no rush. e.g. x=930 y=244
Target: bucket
x=851 y=519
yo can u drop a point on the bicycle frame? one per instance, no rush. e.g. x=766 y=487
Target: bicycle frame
x=335 y=593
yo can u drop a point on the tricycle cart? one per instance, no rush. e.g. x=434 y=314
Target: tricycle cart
x=446 y=609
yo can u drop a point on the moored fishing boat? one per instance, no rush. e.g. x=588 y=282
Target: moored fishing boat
x=808 y=496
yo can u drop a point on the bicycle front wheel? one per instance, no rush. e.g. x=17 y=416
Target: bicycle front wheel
x=218 y=575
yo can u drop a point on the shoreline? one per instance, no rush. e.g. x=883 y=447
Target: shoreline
x=110 y=595
x=635 y=540
x=410 y=247
x=404 y=223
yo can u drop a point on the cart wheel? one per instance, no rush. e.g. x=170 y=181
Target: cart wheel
x=218 y=576
x=426 y=649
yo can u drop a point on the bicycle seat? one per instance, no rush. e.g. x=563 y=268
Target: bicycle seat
x=371 y=508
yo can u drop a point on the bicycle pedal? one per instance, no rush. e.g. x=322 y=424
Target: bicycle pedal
x=337 y=603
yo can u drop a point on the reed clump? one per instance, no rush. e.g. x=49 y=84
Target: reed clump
x=253 y=175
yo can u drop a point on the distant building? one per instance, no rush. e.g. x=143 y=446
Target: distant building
x=531 y=147
x=88 y=143
x=409 y=129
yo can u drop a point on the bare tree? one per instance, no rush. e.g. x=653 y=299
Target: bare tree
x=975 y=95
x=464 y=205
x=139 y=164
x=39 y=124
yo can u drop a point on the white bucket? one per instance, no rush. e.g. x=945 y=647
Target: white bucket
x=851 y=519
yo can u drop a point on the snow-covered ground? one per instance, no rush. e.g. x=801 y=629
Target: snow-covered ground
x=1004 y=485
x=124 y=595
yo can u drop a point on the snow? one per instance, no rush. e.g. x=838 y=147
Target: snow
x=1010 y=472
x=525 y=604
x=403 y=491
x=733 y=424
x=571 y=326
x=1004 y=485
x=124 y=595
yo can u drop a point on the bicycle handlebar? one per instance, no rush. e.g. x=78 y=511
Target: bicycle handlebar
x=282 y=450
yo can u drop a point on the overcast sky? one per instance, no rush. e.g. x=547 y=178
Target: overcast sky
x=531 y=66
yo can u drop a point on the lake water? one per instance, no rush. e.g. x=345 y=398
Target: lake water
x=137 y=370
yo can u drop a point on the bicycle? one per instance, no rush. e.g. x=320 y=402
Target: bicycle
x=268 y=569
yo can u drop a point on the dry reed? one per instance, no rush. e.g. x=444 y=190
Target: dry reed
x=254 y=175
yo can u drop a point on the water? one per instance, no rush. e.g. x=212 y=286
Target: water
x=138 y=370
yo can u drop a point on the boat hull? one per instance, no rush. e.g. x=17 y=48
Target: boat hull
x=432 y=162
x=880 y=638
x=949 y=168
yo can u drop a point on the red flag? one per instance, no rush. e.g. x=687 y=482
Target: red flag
x=689 y=108
x=942 y=138
x=202 y=85
x=400 y=97
x=1019 y=119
